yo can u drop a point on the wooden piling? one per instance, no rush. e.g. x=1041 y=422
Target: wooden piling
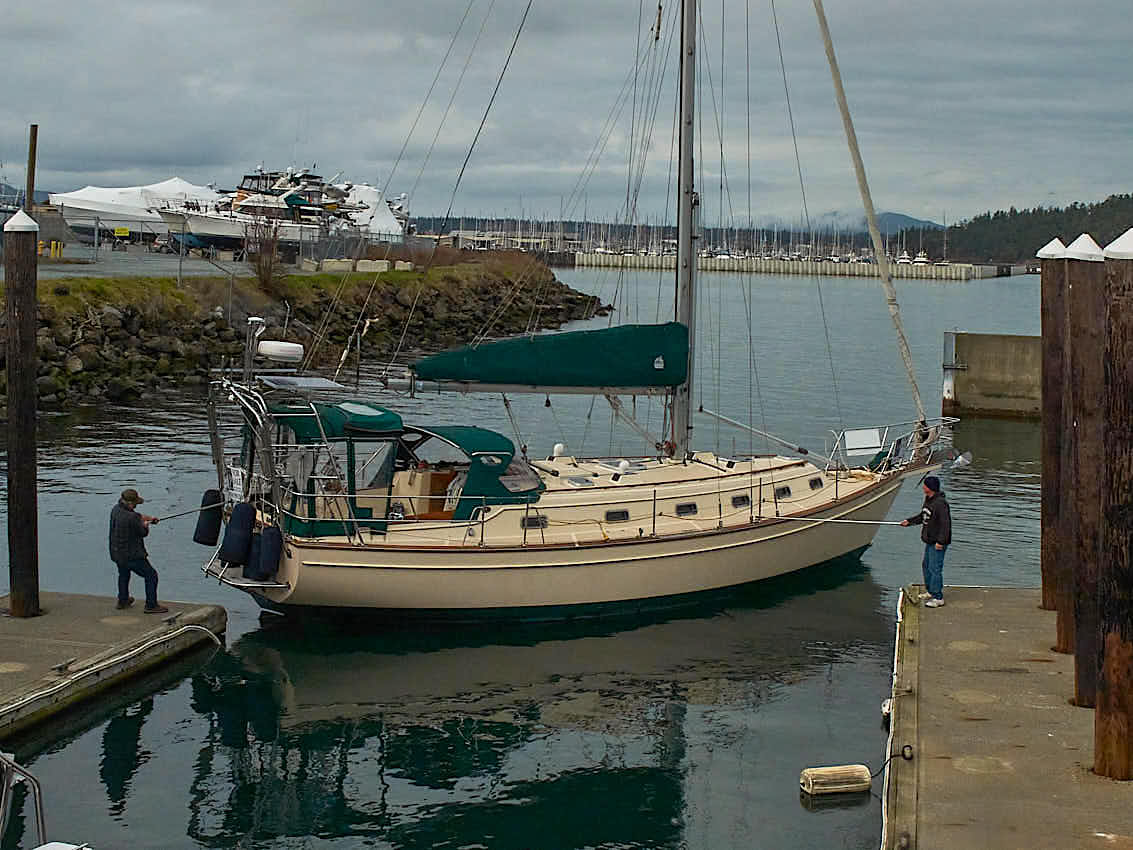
x=20 y=236
x=1113 y=719
x=1083 y=462
x=1053 y=315
x=29 y=191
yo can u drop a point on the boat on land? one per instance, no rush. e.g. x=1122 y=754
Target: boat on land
x=291 y=206
x=131 y=207
x=336 y=503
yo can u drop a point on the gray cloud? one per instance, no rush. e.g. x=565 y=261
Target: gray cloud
x=960 y=106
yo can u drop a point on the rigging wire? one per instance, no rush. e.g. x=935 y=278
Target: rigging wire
x=806 y=213
x=324 y=324
x=452 y=99
x=459 y=177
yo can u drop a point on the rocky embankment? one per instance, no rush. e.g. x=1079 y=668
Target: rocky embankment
x=124 y=339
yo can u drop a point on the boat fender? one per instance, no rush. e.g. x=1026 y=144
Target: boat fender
x=251 y=569
x=271 y=547
x=209 y=521
x=238 y=535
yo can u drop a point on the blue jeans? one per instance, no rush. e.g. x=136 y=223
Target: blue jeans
x=933 y=568
x=142 y=567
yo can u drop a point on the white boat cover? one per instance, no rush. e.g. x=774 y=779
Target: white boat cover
x=131 y=203
x=377 y=217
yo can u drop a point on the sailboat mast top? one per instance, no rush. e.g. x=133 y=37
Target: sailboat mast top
x=688 y=202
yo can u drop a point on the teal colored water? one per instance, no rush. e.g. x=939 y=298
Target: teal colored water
x=681 y=730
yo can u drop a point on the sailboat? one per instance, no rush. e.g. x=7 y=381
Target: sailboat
x=344 y=505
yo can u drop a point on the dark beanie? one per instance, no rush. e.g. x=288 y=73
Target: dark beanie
x=932 y=483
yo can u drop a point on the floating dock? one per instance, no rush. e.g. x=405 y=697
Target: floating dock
x=82 y=645
x=999 y=756
x=753 y=265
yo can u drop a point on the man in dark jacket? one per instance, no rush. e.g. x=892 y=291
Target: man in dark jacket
x=127 y=528
x=935 y=521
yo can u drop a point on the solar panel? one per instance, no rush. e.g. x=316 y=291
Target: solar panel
x=297 y=382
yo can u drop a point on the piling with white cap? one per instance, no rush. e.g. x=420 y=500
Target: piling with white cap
x=20 y=271
x=1052 y=311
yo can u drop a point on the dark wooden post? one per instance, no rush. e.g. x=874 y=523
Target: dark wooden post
x=20 y=236
x=1064 y=529
x=1053 y=314
x=29 y=190
x=1083 y=456
x=1113 y=720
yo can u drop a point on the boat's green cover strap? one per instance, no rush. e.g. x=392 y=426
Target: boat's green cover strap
x=623 y=356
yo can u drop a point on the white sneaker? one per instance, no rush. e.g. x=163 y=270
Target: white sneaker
x=934 y=603
x=924 y=595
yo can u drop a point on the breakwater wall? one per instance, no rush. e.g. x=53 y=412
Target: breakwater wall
x=992 y=375
x=952 y=271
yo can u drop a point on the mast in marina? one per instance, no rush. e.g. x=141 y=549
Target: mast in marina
x=688 y=204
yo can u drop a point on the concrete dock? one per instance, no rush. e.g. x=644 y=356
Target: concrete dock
x=992 y=375
x=82 y=645
x=1000 y=758
x=763 y=265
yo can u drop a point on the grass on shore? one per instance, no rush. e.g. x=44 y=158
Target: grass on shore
x=69 y=296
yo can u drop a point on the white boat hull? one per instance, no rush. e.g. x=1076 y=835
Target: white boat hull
x=449 y=579
x=206 y=226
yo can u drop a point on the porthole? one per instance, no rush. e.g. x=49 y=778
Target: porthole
x=783 y=492
x=817 y=484
x=741 y=501
x=617 y=516
x=686 y=509
x=533 y=521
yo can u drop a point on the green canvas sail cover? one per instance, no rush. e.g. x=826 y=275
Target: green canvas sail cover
x=627 y=356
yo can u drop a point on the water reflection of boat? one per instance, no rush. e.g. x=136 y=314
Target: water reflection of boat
x=410 y=738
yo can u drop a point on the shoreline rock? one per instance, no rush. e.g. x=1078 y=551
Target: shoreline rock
x=125 y=345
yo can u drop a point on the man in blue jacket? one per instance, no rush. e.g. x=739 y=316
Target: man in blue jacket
x=127 y=530
x=935 y=520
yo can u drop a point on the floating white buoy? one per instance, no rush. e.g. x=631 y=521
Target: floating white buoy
x=836 y=779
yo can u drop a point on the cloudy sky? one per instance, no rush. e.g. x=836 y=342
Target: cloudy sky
x=961 y=106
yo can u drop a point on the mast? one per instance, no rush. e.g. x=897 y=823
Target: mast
x=688 y=202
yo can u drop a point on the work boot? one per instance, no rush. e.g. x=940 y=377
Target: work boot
x=124 y=603
x=157 y=609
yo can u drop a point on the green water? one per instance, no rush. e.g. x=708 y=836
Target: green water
x=686 y=729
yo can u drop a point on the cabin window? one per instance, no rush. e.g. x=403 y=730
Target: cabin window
x=817 y=484
x=783 y=492
x=373 y=465
x=741 y=501
x=519 y=477
x=617 y=516
x=686 y=509
x=533 y=521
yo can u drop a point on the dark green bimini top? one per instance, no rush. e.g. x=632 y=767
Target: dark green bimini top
x=647 y=356
x=345 y=419
x=472 y=440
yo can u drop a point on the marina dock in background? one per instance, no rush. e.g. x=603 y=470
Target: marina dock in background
x=81 y=646
x=760 y=265
x=1000 y=758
